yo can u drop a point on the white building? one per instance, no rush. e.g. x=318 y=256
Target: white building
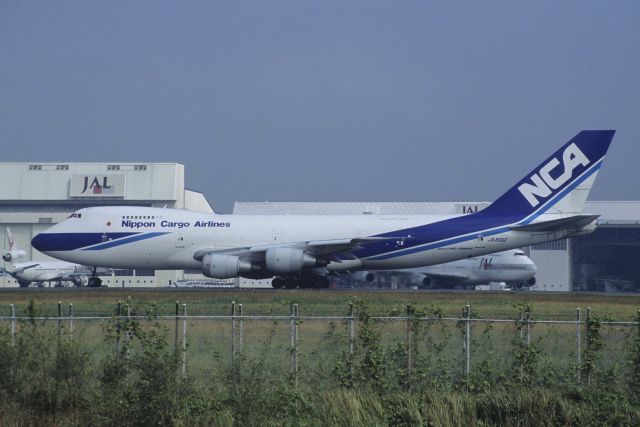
x=606 y=260
x=33 y=196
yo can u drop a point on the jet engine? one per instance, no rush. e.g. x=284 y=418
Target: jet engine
x=290 y=260
x=427 y=282
x=224 y=266
x=13 y=255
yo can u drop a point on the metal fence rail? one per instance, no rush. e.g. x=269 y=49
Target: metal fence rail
x=321 y=351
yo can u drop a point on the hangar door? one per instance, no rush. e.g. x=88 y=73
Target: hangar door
x=607 y=259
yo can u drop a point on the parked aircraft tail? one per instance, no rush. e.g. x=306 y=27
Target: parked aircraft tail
x=560 y=184
x=13 y=253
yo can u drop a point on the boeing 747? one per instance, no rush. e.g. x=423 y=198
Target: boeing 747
x=300 y=251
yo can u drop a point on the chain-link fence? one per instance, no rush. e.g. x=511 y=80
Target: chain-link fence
x=411 y=350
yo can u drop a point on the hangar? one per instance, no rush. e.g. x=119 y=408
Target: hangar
x=33 y=196
x=605 y=260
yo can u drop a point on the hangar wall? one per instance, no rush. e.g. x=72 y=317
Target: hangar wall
x=34 y=196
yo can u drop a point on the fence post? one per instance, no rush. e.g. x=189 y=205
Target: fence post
x=70 y=322
x=588 y=343
x=118 y=329
x=240 y=329
x=467 y=340
x=13 y=325
x=351 y=337
x=127 y=337
x=59 y=321
x=521 y=324
x=409 y=338
x=175 y=339
x=578 y=355
x=528 y=326
x=184 y=340
x=294 y=343
x=233 y=331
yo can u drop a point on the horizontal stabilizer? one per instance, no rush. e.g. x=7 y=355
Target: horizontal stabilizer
x=557 y=224
x=22 y=267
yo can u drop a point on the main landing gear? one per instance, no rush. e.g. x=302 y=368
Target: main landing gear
x=305 y=281
x=94 y=280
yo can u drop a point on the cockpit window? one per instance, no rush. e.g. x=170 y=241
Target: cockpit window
x=519 y=254
x=75 y=215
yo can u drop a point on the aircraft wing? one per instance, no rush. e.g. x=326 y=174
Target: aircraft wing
x=315 y=247
x=557 y=224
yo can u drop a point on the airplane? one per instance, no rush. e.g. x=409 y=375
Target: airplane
x=512 y=266
x=301 y=250
x=29 y=272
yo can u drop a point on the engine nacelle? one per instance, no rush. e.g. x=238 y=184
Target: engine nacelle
x=224 y=266
x=427 y=282
x=289 y=260
x=13 y=255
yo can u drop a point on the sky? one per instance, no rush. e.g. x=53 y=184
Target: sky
x=325 y=100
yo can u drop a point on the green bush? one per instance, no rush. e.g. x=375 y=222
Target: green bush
x=46 y=380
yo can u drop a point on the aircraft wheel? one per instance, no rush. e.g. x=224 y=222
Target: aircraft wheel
x=277 y=283
x=94 y=282
x=291 y=283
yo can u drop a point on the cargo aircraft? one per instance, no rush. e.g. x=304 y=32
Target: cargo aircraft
x=301 y=250
x=513 y=267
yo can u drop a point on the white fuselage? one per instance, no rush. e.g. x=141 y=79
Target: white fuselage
x=508 y=266
x=168 y=239
x=43 y=271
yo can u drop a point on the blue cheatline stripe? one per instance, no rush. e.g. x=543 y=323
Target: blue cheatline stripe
x=426 y=247
x=49 y=242
x=124 y=241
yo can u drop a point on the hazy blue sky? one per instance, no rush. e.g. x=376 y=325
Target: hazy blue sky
x=326 y=100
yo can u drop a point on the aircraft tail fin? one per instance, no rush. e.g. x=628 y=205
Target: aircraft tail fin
x=10 y=239
x=13 y=253
x=560 y=184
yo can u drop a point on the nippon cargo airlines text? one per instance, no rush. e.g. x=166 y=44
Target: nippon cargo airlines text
x=171 y=224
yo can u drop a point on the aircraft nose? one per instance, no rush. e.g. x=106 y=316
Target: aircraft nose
x=42 y=242
x=37 y=242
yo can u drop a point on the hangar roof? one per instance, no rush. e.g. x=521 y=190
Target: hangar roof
x=612 y=212
x=355 y=208
x=615 y=212
x=77 y=182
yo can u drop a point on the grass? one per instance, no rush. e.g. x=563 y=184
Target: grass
x=561 y=306
x=510 y=384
